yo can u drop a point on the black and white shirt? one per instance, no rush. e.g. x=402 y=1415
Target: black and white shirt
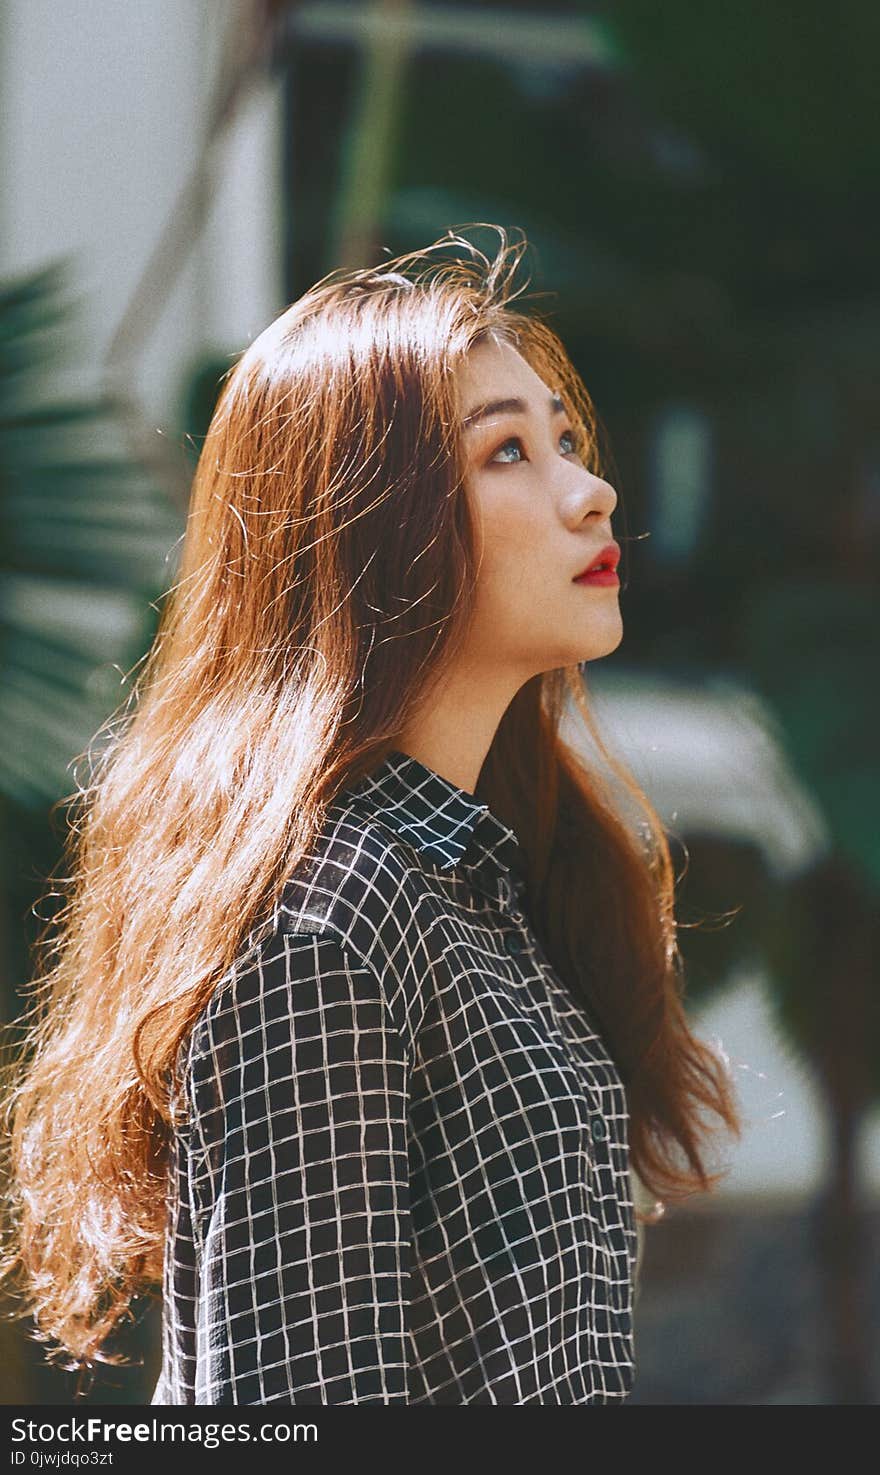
x=404 y=1174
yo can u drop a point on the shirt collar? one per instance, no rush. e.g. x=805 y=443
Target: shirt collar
x=445 y=822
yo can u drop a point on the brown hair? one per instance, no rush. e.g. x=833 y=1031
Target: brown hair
x=326 y=580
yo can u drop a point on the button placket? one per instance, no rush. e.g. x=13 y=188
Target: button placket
x=509 y=896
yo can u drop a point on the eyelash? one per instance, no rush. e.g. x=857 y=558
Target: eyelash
x=517 y=440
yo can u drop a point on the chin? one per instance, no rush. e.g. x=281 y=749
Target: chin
x=603 y=643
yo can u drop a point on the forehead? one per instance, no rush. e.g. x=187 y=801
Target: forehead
x=494 y=369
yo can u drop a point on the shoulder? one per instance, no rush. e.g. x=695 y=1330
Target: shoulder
x=359 y=901
x=294 y=1027
x=362 y=884
x=287 y=994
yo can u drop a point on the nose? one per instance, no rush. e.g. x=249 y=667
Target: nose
x=592 y=496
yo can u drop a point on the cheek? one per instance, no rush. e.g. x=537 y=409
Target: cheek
x=514 y=533
x=517 y=576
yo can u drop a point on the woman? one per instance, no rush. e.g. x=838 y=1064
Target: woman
x=367 y=997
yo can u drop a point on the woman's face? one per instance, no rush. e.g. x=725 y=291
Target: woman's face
x=542 y=516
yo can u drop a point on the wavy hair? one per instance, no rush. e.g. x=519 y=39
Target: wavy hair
x=326 y=582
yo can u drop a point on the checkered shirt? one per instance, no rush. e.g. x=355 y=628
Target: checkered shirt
x=403 y=1173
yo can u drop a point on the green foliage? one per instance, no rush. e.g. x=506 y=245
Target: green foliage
x=86 y=539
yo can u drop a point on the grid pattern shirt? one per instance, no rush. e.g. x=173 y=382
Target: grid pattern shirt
x=403 y=1177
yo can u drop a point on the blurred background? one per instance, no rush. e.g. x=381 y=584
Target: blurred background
x=697 y=184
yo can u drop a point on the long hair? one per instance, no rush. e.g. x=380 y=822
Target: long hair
x=326 y=582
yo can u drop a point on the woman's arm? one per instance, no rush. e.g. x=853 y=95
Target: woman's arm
x=301 y=1186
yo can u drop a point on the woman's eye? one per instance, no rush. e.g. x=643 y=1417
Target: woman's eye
x=516 y=444
x=514 y=441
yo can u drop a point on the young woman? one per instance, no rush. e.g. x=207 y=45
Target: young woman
x=367 y=1006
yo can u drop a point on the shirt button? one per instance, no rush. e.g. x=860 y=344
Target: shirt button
x=599 y=1129
x=513 y=942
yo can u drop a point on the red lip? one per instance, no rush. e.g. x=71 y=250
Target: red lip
x=605 y=562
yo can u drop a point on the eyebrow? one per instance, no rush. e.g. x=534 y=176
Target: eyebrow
x=508 y=407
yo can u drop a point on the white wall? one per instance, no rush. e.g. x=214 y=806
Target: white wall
x=104 y=109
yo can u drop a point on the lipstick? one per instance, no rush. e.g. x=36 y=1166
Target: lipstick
x=602 y=572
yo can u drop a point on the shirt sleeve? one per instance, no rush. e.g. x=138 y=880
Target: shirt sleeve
x=300 y=1183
